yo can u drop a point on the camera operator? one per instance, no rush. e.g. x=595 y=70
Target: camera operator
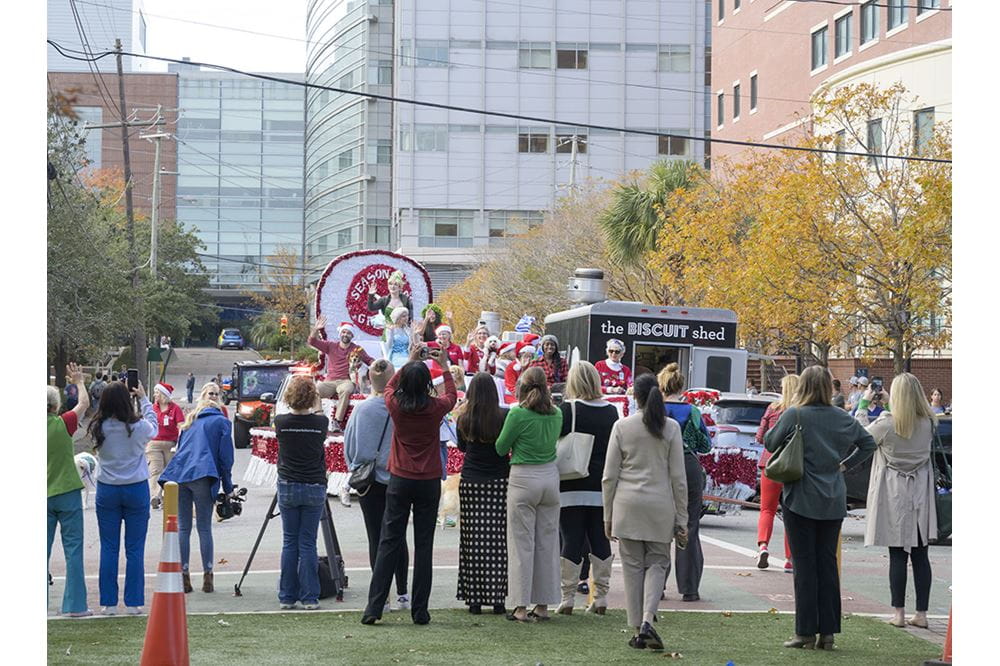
x=414 y=480
x=204 y=459
x=301 y=492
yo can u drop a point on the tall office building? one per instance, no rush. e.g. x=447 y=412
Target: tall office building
x=86 y=25
x=239 y=160
x=462 y=182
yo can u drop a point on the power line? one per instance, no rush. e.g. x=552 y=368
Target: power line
x=842 y=3
x=514 y=116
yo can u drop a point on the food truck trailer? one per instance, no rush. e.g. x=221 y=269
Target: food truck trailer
x=701 y=340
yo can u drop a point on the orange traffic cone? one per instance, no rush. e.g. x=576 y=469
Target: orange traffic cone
x=166 y=641
x=946 y=655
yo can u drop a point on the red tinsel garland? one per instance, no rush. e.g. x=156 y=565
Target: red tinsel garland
x=727 y=468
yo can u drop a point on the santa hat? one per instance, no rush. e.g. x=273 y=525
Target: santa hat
x=346 y=326
x=508 y=346
x=524 y=348
x=529 y=338
x=164 y=388
x=445 y=328
x=433 y=344
x=437 y=374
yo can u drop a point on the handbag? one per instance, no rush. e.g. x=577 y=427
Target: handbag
x=692 y=435
x=786 y=464
x=942 y=488
x=363 y=476
x=573 y=451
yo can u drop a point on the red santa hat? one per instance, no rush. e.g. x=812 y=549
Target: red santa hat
x=525 y=348
x=445 y=328
x=530 y=338
x=433 y=344
x=437 y=375
x=508 y=346
x=164 y=388
x=345 y=326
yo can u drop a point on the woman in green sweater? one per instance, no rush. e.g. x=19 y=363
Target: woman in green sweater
x=529 y=433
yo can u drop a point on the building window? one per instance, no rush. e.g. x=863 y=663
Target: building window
x=142 y=32
x=381 y=73
x=839 y=142
x=720 y=111
x=869 y=21
x=673 y=145
x=432 y=138
x=564 y=143
x=346 y=81
x=532 y=143
x=736 y=5
x=924 y=6
x=383 y=152
x=722 y=9
x=345 y=159
x=378 y=232
x=753 y=92
x=874 y=141
x=819 y=48
x=571 y=59
x=842 y=35
x=432 y=53
x=923 y=130
x=897 y=13
x=505 y=223
x=736 y=101
x=534 y=55
x=442 y=227
x=405 y=138
x=343 y=238
x=675 y=58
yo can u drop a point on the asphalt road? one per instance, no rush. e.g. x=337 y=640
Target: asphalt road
x=730 y=582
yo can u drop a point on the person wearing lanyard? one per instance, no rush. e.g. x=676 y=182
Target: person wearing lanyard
x=161 y=448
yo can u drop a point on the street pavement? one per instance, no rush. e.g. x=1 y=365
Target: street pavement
x=731 y=582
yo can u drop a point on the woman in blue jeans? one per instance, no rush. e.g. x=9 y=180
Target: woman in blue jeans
x=301 y=492
x=120 y=438
x=204 y=458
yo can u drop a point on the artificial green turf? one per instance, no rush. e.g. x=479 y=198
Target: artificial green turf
x=454 y=637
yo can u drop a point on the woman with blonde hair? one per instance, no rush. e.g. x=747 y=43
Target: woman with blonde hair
x=581 y=513
x=396 y=347
x=814 y=506
x=770 y=491
x=529 y=434
x=690 y=561
x=901 y=511
x=203 y=461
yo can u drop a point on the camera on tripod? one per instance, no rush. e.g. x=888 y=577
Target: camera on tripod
x=228 y=506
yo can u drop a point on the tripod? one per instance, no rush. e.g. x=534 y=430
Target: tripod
x=329 y=540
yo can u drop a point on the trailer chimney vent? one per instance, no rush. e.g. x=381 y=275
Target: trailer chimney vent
x=588 y=286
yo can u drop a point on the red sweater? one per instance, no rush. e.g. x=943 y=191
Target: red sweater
x=338 y=358
x=168 y=420
x=613 y=378
x=415 y=452
x=771 y=416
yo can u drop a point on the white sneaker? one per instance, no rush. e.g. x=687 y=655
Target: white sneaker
x=290 y=606
x=314 y=606
x=133 y=610
x=403 y=602
x=109 y=610
x=762 y=558
x=345 y=497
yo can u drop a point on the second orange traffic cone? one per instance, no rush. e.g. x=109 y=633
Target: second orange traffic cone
x=166 y=641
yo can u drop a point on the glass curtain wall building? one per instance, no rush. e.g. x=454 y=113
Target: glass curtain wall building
x=239 y=160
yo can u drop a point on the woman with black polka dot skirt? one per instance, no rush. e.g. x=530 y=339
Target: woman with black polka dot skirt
x=482 y=493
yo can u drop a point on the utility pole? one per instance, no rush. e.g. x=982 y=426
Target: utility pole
x=155 y=204
x=572 y=163
x=138 y=332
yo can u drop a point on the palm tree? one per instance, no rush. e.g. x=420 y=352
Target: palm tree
x=631 y=223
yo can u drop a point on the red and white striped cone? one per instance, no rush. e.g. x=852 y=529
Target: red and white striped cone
x=166 y=641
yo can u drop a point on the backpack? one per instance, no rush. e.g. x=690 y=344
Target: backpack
x=694 y=438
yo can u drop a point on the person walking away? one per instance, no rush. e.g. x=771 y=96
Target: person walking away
x=337 y=382
x=159 y=451
x=529 y=434
x=414 y=482
x=367 y=437
x=814 y=506
x=120 y=436
x=190 y=388
x=644 y=488
x=482 y=496
x=690 y=560
x=581 y=513
x=96 y=387
x=64 y=506
x=902 y=515
x=770 y=491
x=203 y=461
x=301 y=492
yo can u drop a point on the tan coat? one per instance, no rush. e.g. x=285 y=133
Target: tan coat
x=644 y=484
x=901 y=486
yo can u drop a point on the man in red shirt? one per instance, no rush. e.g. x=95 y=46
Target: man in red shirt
x=160 y=449
x=337 y=382
x=414 y=480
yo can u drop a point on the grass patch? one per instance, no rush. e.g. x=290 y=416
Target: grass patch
x=455 y=637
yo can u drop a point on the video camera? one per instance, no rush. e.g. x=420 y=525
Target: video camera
x=229 y=506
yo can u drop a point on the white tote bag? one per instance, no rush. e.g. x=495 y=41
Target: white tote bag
x=573 y=451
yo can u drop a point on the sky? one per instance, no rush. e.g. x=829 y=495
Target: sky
x=225 y=44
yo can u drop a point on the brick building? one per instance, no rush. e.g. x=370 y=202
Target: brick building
x=143 y=92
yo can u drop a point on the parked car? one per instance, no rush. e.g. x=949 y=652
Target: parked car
x=857 y=479
x=251 y=381
x=737 y=417
x=230 y=338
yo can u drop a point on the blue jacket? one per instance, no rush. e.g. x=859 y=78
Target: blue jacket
x=204 y=449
